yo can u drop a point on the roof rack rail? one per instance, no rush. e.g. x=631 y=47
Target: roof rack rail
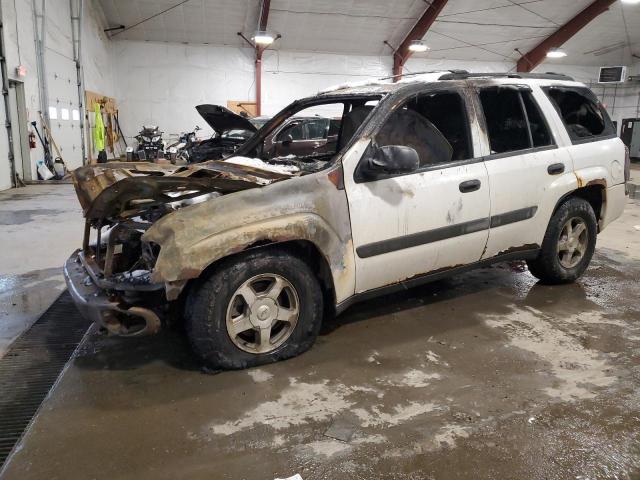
x=462 y=75
x=412 y=74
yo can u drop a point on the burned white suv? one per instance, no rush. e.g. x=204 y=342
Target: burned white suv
x=430 y=176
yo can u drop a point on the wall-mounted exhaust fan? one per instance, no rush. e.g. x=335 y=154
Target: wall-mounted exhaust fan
x=612 y=75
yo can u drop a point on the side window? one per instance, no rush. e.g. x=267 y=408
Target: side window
x=506 y=121
x=447 y=112
x=434 y=124
x=408 y=128
x=296 y=132
x=539 y=129
x=317 y=129
x=582 y=114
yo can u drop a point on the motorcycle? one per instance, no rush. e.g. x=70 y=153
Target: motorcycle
x=182 y=150
x=150 y=144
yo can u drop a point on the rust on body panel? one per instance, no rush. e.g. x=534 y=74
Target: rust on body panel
x=521 y=248
x=585 y=183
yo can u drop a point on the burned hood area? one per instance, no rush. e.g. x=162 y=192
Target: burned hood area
x=120 y=190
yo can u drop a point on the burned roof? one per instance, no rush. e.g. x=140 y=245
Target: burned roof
x=387 y=85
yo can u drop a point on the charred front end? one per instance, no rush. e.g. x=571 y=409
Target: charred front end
x=110 y=277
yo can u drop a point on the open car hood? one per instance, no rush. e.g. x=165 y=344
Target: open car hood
x=126 y=189
x=222 y=119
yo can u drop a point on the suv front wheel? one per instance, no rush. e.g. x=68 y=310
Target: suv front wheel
x=256 y=308
x=568 y=244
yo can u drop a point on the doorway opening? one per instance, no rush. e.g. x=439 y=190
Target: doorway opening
x=19 y=130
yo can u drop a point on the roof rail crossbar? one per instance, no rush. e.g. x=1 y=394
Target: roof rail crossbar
x=541 y=76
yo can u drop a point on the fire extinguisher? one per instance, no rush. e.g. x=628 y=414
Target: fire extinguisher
x=32 y=139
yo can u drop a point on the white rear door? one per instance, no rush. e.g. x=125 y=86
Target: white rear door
x=528 y=171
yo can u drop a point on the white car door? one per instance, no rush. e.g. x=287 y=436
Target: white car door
x=434 y=218
x=529 y=170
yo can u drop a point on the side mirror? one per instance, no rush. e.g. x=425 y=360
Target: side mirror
x=393 y=159
x=287 y=140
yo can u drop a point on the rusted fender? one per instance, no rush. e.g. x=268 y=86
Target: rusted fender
x=597 y=175
x=307 y=208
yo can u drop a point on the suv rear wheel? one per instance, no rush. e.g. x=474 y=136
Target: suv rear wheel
x=256 y=308
x=568 y=244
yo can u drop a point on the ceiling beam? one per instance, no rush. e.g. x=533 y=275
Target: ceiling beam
x=264 y=15
x=532 y=59
x=418 y=31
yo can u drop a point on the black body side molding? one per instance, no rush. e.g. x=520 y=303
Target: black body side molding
x=450 y=231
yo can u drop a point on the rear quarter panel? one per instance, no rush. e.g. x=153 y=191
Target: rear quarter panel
x=596 y=162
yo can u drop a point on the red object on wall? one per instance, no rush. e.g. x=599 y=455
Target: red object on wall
x=32 y=140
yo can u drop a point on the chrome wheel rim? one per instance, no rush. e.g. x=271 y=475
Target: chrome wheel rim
x=573 y=242
x=262 y=313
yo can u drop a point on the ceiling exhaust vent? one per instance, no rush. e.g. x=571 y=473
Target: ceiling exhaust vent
x=612 y=74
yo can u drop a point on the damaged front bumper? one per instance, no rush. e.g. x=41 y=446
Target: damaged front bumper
x=104 y=303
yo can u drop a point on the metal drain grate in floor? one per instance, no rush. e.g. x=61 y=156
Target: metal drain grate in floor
x=32 y=365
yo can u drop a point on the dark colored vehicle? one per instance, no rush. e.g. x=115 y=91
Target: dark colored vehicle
x=303 y=136
x=150 y=144
x=230 y=131
x=298 y=135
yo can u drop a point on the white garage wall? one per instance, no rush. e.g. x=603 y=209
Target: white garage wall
x=287 y=76
x=97 y=52
x=17 y=18
x=160 y=83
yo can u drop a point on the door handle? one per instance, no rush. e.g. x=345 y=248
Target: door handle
x=555 y=169
x=469 y=186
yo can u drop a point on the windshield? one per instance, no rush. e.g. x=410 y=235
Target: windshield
x=307 y=136
x=236 y=133
x=259 y=122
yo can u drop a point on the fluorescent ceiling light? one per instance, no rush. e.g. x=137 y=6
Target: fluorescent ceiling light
x=418 y=46
x=263 y=38
x=556 y=53
x=631 y=2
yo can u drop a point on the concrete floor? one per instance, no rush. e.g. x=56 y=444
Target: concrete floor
x=40 y=225
x=485 y=375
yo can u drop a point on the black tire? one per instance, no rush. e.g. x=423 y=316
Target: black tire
x=547 y=266
x=207 y=303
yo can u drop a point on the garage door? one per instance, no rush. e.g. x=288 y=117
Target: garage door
x=64 y=110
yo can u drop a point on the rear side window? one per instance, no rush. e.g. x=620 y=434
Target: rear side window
x=506 y=121
x=514 y=120
x=583 y=116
